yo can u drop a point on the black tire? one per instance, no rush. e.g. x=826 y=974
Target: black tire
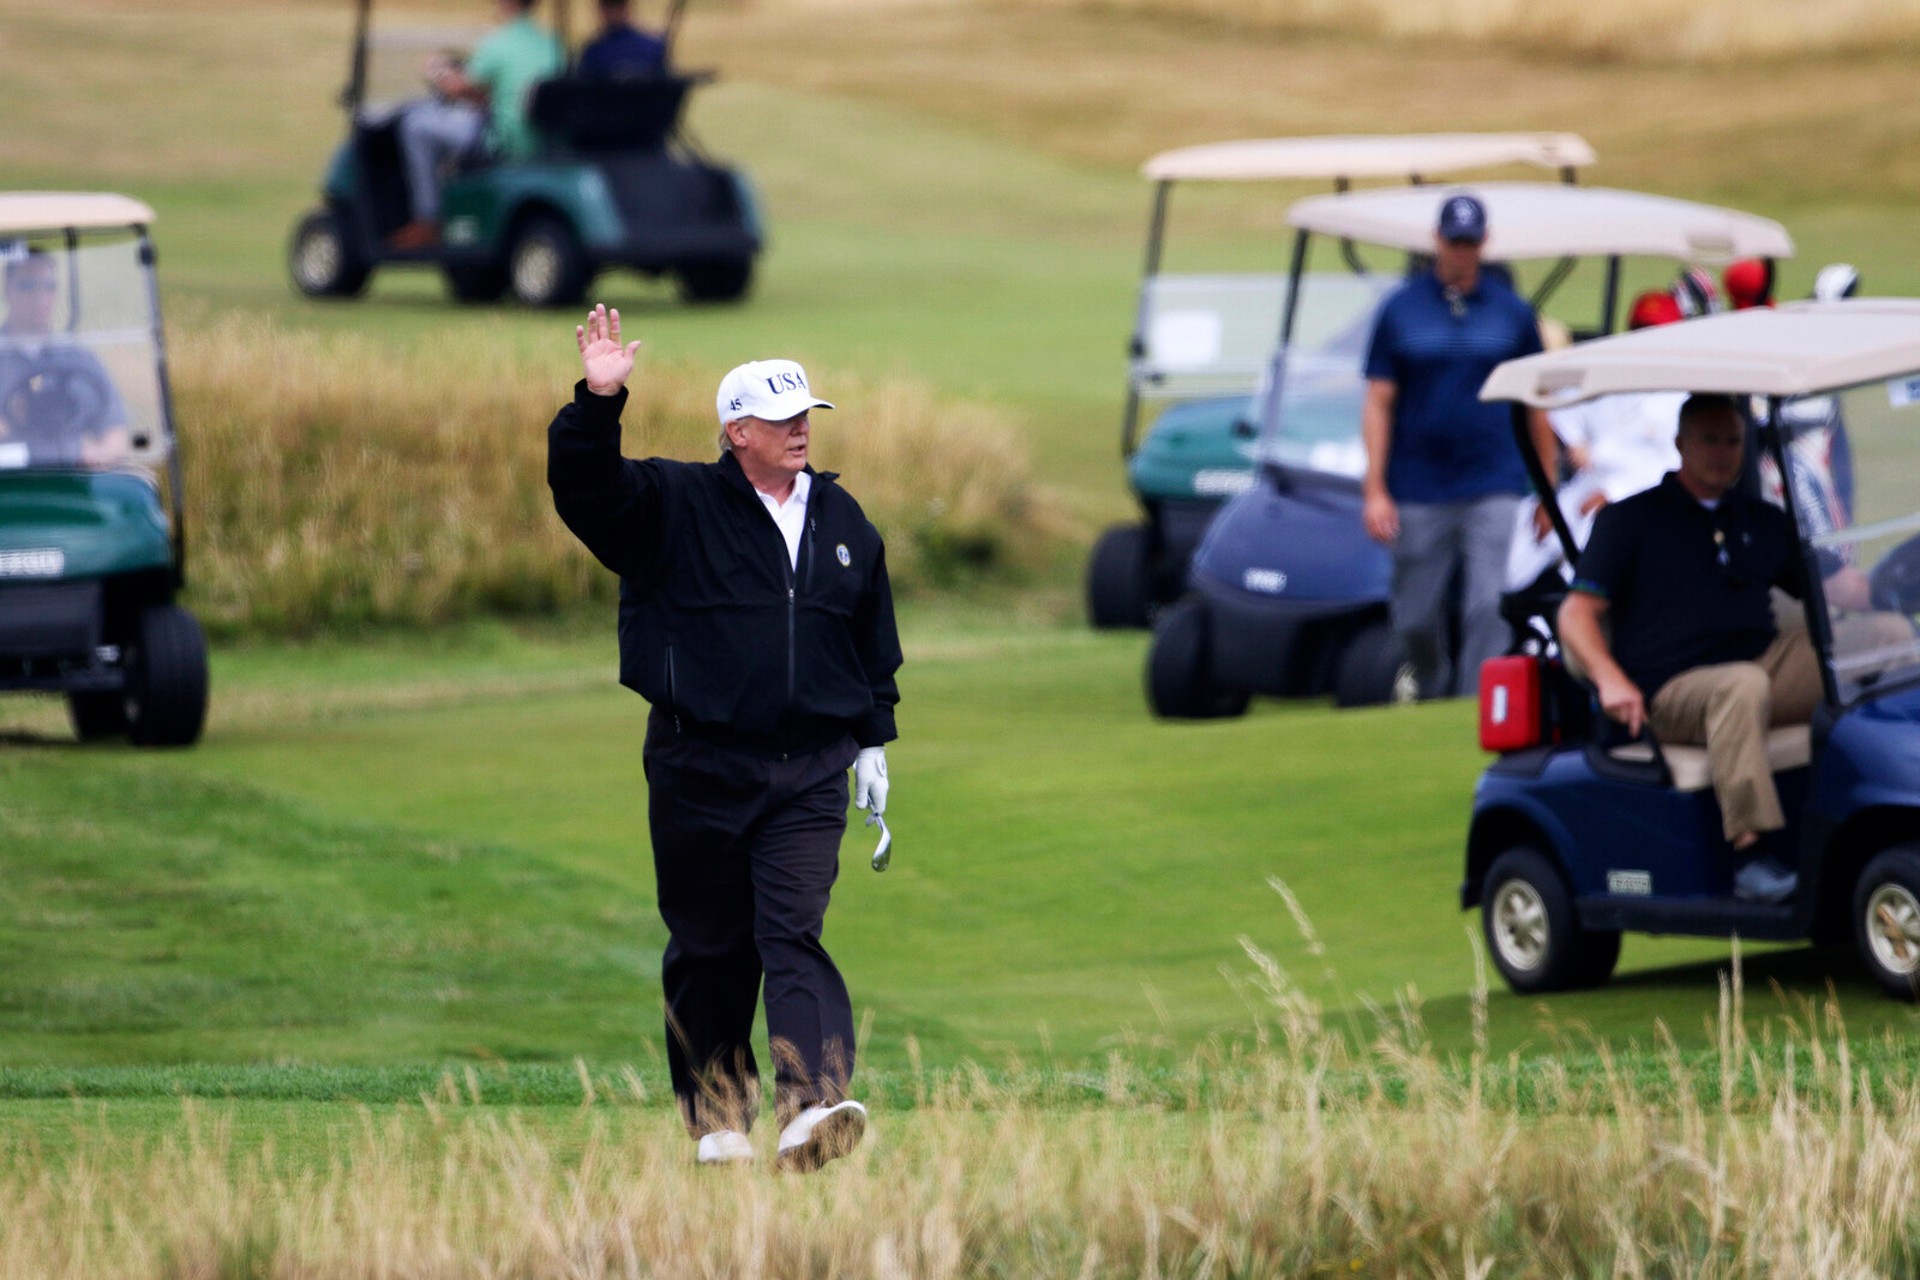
x=97 y=715
x=1532 y=933
x=546 y=267
x=715 y=280
x=1886 y=921
x=1180 y=683
x=1372 y=669
x=475 y=282
x=323 y=259
x=167 y=679
x=1118 y=583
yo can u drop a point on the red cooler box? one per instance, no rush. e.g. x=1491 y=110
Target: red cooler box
x=1511 y=715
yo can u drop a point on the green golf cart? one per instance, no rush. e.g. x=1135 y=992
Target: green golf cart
x=1203 y=344
x=91 y=539
x=617 y=181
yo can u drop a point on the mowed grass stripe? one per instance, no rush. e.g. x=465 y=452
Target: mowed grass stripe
x=471 y=879
x=151 y=915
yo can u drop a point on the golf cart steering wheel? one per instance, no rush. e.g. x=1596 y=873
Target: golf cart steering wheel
x=1894 y=584
x=51 y=406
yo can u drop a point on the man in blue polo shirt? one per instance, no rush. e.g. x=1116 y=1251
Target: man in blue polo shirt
x=1443 y=477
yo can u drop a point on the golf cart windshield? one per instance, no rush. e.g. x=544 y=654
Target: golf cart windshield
x=79 y=364
x=1206 y=335
x=1314 y=422
x=1853 y=461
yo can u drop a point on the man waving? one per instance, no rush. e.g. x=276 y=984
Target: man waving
x=757 y=619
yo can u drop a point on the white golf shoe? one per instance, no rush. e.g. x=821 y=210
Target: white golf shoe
x=726 y=1146
x=820 y=1134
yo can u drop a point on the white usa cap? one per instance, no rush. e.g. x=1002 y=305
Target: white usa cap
x=770 y=390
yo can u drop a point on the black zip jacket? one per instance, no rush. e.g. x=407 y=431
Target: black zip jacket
x=717 y=627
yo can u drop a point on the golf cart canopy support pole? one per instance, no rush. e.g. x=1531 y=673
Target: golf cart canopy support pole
x=1610 y=294
x=1543 y=486
x=1555 y=277
x=671 y=29
x=356 y=90
x=73 y=280
x=1156 y=233
x=176 y=486
x=1773 y=439
x=1276 y=384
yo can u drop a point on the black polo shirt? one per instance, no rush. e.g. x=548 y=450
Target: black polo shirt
x=1687 y=586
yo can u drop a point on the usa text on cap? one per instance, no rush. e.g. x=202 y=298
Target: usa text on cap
x=770 y=390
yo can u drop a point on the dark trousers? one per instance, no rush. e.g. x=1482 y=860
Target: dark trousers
x=745 y=853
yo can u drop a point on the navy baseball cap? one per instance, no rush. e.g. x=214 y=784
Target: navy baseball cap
x=1463 y=217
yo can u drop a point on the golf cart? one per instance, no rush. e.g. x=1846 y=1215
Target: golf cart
x=1287 y=595
x=1576 y=837
x=618 y=182
x=1202 y=343
x=92 y=544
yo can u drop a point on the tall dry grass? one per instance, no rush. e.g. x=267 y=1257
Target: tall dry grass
x=1705 y=31
x=333 y=481
x=1295 y=1155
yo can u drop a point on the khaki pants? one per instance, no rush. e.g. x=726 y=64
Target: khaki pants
x=1729 y=707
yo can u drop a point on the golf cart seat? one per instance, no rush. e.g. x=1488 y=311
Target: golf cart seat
x=610 y=115
x=1788 y=747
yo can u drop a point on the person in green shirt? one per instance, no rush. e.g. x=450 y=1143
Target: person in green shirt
x=492 y=88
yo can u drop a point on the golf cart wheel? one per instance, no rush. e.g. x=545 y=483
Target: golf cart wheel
x=323 y=260
x=1373 y=669
x=475 y=282
x=1526 y=913
x=167 y=679
x=546 y=266
x=1886 y=921
x=97 y=715
x=718 y=280
x=1180 y=684
x=1117 y=578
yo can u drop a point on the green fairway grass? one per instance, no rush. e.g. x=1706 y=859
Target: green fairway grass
x=367 y=983
x=434 y=850
x=1072 y=877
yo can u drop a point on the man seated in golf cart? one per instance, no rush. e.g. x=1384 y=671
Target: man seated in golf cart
x=484 y=96
x=1684 y=574
x=58 y=404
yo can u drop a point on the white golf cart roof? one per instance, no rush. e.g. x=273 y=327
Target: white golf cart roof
x=1550 y=220
x=1366 y=156
x=1801 y=348
x=24 y=211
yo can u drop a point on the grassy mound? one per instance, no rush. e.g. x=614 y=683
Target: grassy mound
x=338 y=481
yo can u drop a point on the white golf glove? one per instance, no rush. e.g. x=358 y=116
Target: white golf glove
x=870 y=779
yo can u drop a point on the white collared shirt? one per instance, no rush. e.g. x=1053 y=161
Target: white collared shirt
x=790 y=516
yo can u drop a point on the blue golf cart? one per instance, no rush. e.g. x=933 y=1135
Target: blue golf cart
x=1576 y=836
x=1203 y=342
x=1286 y=594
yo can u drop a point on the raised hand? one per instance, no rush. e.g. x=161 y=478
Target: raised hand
x=606 y=363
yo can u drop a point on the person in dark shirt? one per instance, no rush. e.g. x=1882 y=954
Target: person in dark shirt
x=1443 y=478
x=621 y=51
x=1684 y=574
x=757 y=619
